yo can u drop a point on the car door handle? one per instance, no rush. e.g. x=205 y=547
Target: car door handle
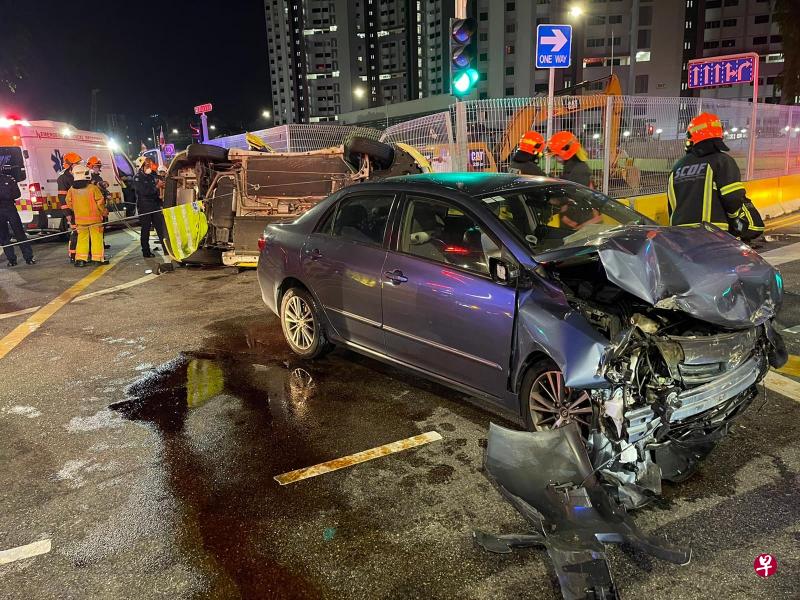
x=396 y=276
x=314 y=254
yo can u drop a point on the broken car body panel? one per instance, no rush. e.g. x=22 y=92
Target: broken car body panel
x=669 y=267
x=548 y=477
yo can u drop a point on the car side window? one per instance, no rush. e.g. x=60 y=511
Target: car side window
x=359 y=219
x=440 y=231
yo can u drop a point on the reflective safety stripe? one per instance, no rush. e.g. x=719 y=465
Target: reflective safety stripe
x=708 y=194
x=671 y=196
x=750 y=223
x=731 y=187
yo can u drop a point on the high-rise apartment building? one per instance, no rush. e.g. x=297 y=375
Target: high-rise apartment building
x=327 y=57
x=715 y=27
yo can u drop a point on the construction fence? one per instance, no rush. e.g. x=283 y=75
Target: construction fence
x=632 y=141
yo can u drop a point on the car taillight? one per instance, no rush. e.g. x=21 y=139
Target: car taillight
x=262 y=243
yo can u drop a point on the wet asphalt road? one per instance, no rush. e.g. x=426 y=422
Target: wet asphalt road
x=170 y=492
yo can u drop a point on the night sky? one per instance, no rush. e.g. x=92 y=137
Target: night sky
x=164 y=59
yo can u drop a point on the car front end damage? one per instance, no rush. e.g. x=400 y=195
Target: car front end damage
x=686 y=318
x=668 y=330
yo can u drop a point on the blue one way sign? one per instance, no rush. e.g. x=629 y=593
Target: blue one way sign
x=553 y=46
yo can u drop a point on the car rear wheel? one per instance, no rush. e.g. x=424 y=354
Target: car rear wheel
x=548 y=404
x=300 y=321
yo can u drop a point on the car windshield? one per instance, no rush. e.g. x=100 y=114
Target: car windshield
x=550 y=216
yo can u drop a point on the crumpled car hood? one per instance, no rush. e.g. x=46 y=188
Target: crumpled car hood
x=702 y=271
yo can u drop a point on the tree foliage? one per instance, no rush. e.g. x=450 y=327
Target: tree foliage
x=787 y=15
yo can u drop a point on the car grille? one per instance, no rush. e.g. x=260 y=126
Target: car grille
x=698 y=374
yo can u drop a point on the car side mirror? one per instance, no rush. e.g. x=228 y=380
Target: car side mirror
x=502 y=272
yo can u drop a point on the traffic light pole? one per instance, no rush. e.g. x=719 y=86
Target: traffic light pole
x=550 y=90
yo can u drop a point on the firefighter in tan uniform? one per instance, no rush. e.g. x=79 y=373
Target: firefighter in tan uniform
x=64 y=182
x=705 y=185
x=87 y=204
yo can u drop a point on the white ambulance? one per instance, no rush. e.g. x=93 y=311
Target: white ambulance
x=34 y=151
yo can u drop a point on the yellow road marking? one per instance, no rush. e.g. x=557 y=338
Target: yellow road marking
x=19 y=313
x=116 y=288
x=27 y=551
x=782 y=222
x=783 y=385
x=358 y=457
x=792 y=366
x=23 y=330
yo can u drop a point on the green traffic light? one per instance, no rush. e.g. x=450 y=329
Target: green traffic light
x=465 y=81
x=462 y=83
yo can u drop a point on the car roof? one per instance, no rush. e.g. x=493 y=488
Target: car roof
x=473 y=184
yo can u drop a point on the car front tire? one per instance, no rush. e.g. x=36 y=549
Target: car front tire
x=548 y=404
x=301 y=324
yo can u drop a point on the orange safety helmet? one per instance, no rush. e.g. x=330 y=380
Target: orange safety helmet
x=94 y=162
x=71 y=159
x=532 y=142
x=564 y=145
x=704 y=126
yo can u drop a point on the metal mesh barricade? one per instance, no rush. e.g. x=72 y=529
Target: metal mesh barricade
x=299 y=137
x=631 y=141
x=432 y=135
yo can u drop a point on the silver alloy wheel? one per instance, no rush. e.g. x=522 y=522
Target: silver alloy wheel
x=553 y=405
x=299 y=322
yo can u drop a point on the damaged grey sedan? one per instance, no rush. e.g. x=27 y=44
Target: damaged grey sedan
x=626 y=349
x=544 y=298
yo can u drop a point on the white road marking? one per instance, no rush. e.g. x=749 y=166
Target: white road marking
x=19 y=313
x=783 y=385
x=795 y=329
x=121 y=286
x=358 y=457
x=27 y=551
x=779 y=256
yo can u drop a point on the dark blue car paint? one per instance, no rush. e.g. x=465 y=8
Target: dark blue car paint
x=482 y=335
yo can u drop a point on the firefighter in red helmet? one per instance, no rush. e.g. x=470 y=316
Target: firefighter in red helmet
x=705 y=185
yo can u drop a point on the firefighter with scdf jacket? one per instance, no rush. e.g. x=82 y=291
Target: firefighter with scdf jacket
x=527 y=156
x=9 y=218
x=148 y=203
x=705 y=185
x=88 y=207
